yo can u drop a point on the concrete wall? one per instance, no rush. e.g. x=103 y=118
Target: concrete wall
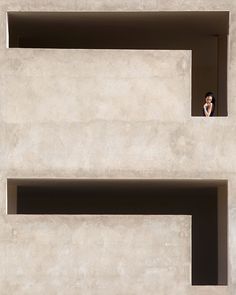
x=95 y=254
x=73 y=86
x=49 y=129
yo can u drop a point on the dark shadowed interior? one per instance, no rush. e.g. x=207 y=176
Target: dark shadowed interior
x=135 y=197
x=205 y=33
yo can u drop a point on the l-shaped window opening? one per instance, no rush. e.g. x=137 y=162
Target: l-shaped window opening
x=203 y=32
x=205 y=201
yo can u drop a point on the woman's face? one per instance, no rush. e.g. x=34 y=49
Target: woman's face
x=208 y=99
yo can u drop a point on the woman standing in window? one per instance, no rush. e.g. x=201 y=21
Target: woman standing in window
x=209 y=105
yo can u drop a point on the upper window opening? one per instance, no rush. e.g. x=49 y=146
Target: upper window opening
x=205 y=33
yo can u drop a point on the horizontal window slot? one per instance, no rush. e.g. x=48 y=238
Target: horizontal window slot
x=200 y=200
x=205 y=33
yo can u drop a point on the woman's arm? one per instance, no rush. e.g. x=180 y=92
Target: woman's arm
x=207 y=109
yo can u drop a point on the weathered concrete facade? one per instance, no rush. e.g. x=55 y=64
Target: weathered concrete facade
x=104 y=114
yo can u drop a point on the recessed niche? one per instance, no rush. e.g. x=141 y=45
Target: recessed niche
x=203 y=32
x=205 y=201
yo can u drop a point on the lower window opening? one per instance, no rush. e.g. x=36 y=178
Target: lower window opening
x=205 y=201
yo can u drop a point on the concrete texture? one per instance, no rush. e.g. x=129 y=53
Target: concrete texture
x=95 y=254
x=94 y=85
x=66 y=114
x=104 y=112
